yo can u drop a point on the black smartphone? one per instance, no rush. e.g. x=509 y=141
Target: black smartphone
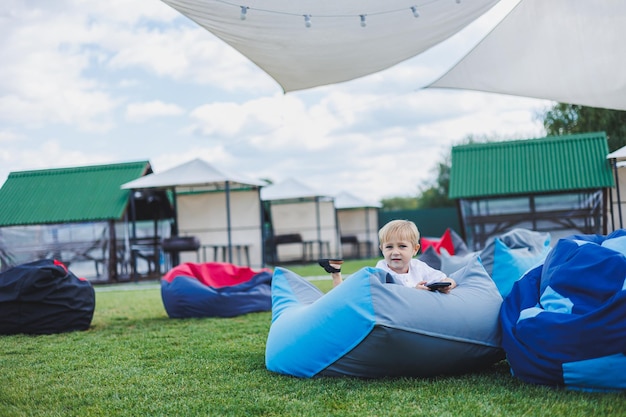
x=438 y=285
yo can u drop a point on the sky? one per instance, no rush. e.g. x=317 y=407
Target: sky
x=86 y=82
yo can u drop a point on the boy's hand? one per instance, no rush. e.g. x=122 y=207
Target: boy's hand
x=422 y=285
x=452 y=285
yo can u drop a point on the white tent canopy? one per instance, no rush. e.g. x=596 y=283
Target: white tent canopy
x=618 y=160
x=358 y=225
x=346 y=200
x=562 y=50
x=296 y=208
x=619 y=155
x=223 y=211
x=195 y=173
x=308 y=43
x=289 y=189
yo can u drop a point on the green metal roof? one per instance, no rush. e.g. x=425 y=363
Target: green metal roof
x=551 y=164
x=66 y=195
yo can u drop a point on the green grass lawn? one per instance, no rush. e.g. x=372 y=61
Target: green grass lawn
x=135 y=361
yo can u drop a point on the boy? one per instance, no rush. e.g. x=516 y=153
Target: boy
x=399 y=243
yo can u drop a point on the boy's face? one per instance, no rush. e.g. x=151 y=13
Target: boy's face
x=398 y=254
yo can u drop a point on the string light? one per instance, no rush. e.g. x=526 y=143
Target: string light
x=307 y=17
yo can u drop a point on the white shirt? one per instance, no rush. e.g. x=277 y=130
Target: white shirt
x=418 y=271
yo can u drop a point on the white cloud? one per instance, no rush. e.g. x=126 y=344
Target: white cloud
x=140 y=112
x=7 y=136
x=44 y=81
x=55 y=55
x=49 y=154
x=57 y=156
x=78 y=78
x=188 y=54
x=215 y=155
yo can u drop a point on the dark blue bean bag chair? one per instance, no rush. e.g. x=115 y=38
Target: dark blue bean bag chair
x=371 y=327
x=44 y=297
x=564 y=322
x=215 y=289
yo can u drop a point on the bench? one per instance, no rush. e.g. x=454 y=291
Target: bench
x=356 y=244
x=307 y=246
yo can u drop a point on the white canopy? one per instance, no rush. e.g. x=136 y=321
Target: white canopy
x=570 y=51
x=218 y=219
x=289 y=189
x=308 y=43
x=358 y=225
x=345 y=200
x=616 y=194
x=196 y=172
x=619 y=154
x=297 y=208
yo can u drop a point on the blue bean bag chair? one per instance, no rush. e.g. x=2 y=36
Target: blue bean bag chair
x=215 y=289
x=371 y=327
x=564 y=322
x=506 y=257
x=44 y=297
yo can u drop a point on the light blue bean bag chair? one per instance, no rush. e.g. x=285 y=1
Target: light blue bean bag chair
x=564 y=322
x=371 y=327
x=506 y=257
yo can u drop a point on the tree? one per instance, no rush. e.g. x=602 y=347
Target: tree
x=434 y=192
x=565 y=119
x=561 y=119
x=399 y=203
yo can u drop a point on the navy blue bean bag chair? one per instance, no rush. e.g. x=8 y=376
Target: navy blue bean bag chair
x=44 y=297
x=215 y=289
x=564 y=322
x=371 y=327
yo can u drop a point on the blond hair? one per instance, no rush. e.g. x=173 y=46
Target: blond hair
x=400 y=229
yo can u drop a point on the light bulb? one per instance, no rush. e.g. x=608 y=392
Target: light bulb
x=416 y=12
x=307 y=20
x=363 y=22
x=244 y=12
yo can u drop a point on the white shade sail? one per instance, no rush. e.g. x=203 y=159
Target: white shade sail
x=309 y=43
x=570 y=51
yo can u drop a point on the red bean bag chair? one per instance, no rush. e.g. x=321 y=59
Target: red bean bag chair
x=215 y=289
x=445 y=241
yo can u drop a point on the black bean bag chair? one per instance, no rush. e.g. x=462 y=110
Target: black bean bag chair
x=44 y=297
